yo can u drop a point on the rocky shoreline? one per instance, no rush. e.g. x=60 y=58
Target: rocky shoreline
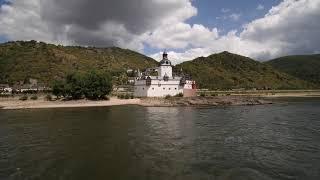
x=204 y=101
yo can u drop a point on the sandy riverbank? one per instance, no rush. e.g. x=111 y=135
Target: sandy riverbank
x=14 y=103
x=41 y=103
x=221 y=100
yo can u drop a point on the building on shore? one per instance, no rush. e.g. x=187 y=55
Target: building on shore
x=5 y=89
x=164 y=83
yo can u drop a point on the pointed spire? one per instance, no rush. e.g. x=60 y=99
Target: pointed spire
x=165 y=54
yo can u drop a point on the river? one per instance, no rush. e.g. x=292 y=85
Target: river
x=279 y=141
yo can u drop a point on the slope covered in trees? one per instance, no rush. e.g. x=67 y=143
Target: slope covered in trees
x=306 y=67
x=229 y=71
x=20 y=61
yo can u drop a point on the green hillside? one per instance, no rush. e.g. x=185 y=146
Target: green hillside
x=306 y=67
x=20 y=61
x=228 y=71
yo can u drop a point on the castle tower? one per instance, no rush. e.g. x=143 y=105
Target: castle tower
x=165 y=69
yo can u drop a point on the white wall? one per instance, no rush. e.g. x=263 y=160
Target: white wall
x=165 y=70
x=158 y=88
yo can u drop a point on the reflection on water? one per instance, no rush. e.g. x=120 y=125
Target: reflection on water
x=259 y=142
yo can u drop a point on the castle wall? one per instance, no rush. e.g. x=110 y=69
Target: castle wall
x=158 y=88
x=189 y=92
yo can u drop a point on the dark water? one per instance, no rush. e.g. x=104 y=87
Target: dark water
x=280 y=141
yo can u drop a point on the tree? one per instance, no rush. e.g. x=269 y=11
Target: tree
x=76 y=85
x=122 y=79
x=97 y=85
x=91 y=85
x=58 y=89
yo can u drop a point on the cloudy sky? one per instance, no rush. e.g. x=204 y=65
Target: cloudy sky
x=261 y=29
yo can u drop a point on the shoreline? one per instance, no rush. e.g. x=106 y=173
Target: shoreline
x=231 y=100
x=43 y=104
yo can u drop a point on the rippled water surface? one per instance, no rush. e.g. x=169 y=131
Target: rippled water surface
x=280 y=141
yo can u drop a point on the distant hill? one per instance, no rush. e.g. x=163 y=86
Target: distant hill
x=228 y=71
x=20 y=61
x=306 y=67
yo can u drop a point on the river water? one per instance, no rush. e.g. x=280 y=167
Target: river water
x=279 y=141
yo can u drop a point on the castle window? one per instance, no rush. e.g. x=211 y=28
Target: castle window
x=175 y=88
x=169 y=88
x=152 y=88
x=164 y=88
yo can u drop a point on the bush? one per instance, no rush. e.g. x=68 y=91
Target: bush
x=34 y=97
x=121 y=96
x=23 y=98
x=59 y=89
x=30 y=92
x=203 y=94
x=48 y=97
x=179 y=95
x=6 y=95
x=214 y=94
x=127 y=96
x=168 y=96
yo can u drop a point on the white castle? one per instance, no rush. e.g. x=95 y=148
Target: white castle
x=164 y=84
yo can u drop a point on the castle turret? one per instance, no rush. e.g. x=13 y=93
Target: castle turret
x=165 y=69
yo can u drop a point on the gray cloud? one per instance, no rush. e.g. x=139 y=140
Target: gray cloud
x=86 y=18
x=123 y=23
x=136 y=15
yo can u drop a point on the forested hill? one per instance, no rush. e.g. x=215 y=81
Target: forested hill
x=306 y=67
x=20 y=61
x=229 y=71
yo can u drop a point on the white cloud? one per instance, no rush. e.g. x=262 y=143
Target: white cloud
x=225 y=10
x=235 y=16
x=190 y=54
x=232 y=16
x=260 y=7
x=292 y=27
x=182 y=35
